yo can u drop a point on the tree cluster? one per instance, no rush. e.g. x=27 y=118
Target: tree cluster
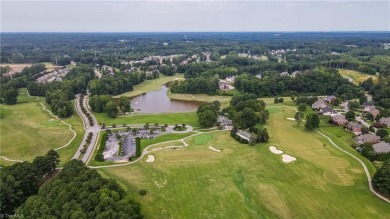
x=208 y=114
x=319 y=81
x=22 y=180
x=381 y=179
x=199 y=85
x=118 y=84
x=99 y=154
x=85 y=111
x=105 y=104
x=312 y=121
x=80 y=192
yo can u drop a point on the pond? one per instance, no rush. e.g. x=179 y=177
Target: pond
x=159 y=102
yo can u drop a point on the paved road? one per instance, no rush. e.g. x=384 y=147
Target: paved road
x=94 y=129
x=359 y=119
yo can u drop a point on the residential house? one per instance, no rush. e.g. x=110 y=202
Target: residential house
x=259 y=76
x=385 y=121
x=339 y=120
x=381 y=147
x=374 y=112
x=370 y=138
x=329 y=99
x=344 y=106
x=244 y=135
x=320 y=103
x=230 y=79
x=326 y=111
x=224 y=85
x=224 y=121
x=367 y=106
x=294 y=74
x=283 y=74
x=354 y=127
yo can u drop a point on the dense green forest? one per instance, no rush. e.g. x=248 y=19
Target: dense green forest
x=80 y=192
x=315 y=55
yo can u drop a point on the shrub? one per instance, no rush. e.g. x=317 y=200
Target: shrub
x=142 y=192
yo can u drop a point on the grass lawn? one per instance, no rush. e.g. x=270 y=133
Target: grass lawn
x=163 y=138
x=357 y=76
x=251 y=182
x=28 y=131
x=224 y=100
x=66 y=154
x=151 y=85
x=202 y=139
x=188 y=118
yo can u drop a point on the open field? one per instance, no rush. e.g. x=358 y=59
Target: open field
x=252 y=182
x=27 y=130
x=224 y=100
x=151 y=85
x=190 y=118
x=356 y=76
x=15 y=68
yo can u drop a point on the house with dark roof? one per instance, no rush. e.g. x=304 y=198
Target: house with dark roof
x=320 y=103
x=354 y=127
x=374 y=112
x=381 y=147
x=370 y=138
x=367 y=106
x=339 y=120
x=327 y=111
x=385 y=121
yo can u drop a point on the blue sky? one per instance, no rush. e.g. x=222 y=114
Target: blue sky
x=177 y=16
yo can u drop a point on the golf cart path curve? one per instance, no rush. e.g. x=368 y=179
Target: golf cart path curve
x=20 y=161
x=70 y=127
x=146 y=151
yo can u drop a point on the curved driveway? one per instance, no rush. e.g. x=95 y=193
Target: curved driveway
x=94 y=129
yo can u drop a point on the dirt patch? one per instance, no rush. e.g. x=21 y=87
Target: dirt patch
x=15 y=68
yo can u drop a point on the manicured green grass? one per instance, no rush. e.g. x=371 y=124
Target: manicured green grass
x=356 y=76
x=251 y=182
x=202 y=139
x=162 y=138
x=66 y=154
x=151 y=85
x=224 y=100
x=28 y=131
x=189 y=118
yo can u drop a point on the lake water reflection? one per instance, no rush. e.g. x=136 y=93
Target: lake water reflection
x=158 y=102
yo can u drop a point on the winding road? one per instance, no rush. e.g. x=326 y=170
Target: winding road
x=94 y=129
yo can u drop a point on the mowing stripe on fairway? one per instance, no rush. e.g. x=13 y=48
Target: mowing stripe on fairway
x=362 y=163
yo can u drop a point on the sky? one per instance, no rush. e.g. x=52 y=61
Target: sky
x=193 y=16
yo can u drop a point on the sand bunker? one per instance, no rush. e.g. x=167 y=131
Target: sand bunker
x=274 y=150
x=291 y=119
x=214 y=149
x=287 y=158
x=150 y=159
